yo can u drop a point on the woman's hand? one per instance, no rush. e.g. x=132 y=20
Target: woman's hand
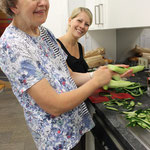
x=102 y=76
x=127 y=73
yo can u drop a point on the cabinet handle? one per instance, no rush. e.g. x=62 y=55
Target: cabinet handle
x=97 y=14
x=101 y=15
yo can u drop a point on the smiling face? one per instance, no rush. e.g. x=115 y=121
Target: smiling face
x=30 y=13
x=79 y=25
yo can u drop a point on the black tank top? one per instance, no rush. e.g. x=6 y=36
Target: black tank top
x=76 y=65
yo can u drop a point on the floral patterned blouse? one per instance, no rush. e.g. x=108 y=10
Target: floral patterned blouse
x=26 y=60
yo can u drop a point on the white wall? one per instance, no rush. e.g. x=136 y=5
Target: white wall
x=105 y=39
x=117 y=43
x=101 y=38
x=74 y=4
x=144 y=39
x=57 y=20
x=128 y=38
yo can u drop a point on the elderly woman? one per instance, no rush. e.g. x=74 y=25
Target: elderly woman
x=47 y=90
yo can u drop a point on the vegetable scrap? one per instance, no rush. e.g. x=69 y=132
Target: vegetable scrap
x=139 y=117
x=135 y=89
x=121 y=104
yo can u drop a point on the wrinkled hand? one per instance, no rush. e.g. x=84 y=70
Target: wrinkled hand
x=102 y=75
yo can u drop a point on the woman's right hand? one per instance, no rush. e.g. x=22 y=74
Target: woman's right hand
x=102 y=76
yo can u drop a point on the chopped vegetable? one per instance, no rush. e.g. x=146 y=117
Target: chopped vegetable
x=139 y=104
x=112 y=108
x=118 y=104
x=139 y=117
x=135 y=89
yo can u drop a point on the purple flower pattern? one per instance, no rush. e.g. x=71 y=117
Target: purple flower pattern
x=26 y=60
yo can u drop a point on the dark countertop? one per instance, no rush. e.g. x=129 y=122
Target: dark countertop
x=132 y=138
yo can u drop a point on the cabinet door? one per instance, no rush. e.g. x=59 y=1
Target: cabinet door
x=97 y=8
x=109 y=14
x=127 y=13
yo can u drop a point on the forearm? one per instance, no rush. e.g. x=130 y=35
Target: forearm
x=55 y=103
x=81 y=78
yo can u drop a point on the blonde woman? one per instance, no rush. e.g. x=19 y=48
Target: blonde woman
x=78 y=25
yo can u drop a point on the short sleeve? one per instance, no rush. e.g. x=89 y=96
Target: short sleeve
x=19 y=66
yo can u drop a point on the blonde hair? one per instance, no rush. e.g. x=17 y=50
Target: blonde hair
x=78 y=10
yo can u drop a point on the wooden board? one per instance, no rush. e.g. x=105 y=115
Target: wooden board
x=95 y=61
x=98 y=51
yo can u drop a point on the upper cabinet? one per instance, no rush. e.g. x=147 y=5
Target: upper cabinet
x=111 y=14
x=107 y=14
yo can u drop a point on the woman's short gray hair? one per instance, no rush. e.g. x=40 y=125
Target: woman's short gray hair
x=5 y=6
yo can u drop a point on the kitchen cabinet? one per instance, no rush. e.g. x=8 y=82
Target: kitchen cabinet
x=108 y=14
x=97 y=9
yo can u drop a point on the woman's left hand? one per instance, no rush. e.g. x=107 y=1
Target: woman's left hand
x=128 y=73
